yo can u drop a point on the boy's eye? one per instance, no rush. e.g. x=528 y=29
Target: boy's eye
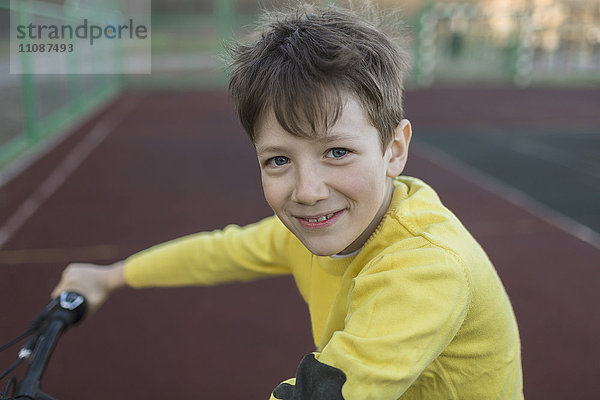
x=337 y=152
x=277 y=161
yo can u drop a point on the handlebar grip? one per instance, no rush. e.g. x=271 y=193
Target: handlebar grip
x=65 y=310
x=71 y=308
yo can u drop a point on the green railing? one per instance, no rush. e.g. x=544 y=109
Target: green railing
x=186 y=50
x=45 y=104
x=48 y=103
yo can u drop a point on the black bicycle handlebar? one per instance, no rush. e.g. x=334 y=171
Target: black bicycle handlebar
x=61 y=313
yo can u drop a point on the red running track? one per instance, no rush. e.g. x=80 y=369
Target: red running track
x=154 y=166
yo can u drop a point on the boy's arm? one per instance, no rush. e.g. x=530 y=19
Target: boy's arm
x=208 y=258
x=398 y=322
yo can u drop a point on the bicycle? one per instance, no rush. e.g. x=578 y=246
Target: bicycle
x=45 y=330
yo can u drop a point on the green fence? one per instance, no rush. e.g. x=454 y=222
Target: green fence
x=555 y=42
x=34 y=107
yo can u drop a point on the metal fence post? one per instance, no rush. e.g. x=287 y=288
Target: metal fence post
x=27 y=85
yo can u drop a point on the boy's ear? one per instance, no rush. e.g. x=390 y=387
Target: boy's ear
x=397 y=151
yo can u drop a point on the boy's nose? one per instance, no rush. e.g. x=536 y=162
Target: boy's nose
x=309 y=187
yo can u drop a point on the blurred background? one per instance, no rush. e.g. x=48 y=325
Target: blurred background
x=485 y=42
x=504 y=97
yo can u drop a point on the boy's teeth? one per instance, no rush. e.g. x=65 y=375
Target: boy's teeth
x=320 y=219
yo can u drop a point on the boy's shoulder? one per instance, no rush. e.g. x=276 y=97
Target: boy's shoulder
x=412 y=194
x=417 y=208
x=418 y=226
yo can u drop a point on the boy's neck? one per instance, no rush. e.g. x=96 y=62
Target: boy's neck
x=368 y=232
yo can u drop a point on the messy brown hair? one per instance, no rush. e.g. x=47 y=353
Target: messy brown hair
x=305 y=63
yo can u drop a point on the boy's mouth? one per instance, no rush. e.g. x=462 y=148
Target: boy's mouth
x=319 y=221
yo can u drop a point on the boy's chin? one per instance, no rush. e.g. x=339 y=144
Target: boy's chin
x=323 y=246
x=323 y=250
x=322 y=253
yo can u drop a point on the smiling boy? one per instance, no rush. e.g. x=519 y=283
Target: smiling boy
x=403 y=301
x=330 y=191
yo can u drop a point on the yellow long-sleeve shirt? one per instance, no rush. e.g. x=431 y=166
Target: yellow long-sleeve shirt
x=418 y=313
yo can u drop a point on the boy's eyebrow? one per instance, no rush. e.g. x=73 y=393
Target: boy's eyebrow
x=269 y=149
x=328 y=138
x=334 y=137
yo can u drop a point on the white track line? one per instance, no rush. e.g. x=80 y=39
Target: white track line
x=62 y=172
x=510 y=194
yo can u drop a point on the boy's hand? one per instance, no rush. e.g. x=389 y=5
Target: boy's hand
x=94 y=282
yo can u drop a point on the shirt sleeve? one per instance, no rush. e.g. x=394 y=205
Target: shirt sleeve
x=209 y=258
x=399 y=320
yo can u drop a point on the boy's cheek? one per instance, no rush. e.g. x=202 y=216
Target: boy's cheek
x=273 y=193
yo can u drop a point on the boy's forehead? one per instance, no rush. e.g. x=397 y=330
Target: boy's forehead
x=352 y=116
x=271 y=135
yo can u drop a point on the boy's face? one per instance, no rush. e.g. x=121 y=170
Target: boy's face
x=332 y=191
